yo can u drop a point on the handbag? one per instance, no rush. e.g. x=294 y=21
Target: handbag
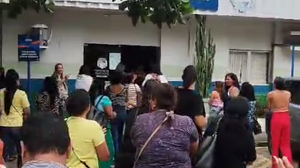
x=256 y=126
x=148 y=140
x=205 y=156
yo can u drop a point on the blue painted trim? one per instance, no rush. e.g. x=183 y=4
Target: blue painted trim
x=205 y=5
x=36 y=86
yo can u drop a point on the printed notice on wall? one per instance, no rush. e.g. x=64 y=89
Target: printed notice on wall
x=114 y=60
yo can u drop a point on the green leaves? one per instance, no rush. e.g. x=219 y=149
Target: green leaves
x=15 y=7
x=157 y=11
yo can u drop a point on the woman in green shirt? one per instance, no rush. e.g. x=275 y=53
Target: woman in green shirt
x=104 y=105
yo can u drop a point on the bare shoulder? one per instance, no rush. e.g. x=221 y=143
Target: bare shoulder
x=287 y=92
x=270 y=94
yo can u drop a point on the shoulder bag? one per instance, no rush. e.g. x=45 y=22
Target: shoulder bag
x=205 y=156
x=148 y=140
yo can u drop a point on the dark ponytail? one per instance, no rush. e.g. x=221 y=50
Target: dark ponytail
x=188 y=76
x=11 y=82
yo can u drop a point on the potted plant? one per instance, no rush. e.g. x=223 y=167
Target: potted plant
x=204 y=58
x=261 y=106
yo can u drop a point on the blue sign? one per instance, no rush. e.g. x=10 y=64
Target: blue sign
x=205 y=5
x=28 y=47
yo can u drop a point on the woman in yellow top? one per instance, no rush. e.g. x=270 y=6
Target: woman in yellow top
x=14 y=108
x=87 y=137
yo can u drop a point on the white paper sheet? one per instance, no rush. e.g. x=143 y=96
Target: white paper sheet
x=114 y=60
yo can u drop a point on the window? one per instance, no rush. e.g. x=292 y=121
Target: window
x=250 y=66
x=294 y=87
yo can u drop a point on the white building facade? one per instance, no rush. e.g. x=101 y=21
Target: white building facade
x=249 y=39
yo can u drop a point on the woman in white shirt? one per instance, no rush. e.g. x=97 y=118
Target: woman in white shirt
x=84 y=80
x=156 y=75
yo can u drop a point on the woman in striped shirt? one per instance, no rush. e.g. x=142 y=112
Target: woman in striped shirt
x=133 y=91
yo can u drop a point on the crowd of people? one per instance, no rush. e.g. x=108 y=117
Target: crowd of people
x=137 y=121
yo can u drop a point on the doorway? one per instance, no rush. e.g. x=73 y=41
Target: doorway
x=103 y=59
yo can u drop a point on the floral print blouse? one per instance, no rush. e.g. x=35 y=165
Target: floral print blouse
x=43 y=104
x=251 y=111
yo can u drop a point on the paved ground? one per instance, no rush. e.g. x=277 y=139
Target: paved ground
x=262 y=161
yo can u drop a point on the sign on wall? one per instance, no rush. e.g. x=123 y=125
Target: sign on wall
x=28 y=47
x=102 y=69
x=243 y=6
x=205 y=5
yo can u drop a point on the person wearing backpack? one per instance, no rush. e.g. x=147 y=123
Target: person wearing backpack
x=104 y=105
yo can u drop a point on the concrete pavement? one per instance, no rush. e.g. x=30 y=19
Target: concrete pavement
x=262 y=160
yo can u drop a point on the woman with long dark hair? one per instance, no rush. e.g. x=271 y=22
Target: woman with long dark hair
x=15 y=108
x=189 y=102
x=231 y=88
x=247 y=91
x=48 y=99
x=235 y=146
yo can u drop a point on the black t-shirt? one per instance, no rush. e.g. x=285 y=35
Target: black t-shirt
x=189 y=103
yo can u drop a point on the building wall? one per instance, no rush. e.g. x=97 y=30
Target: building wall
x=283 y=56
x=72 y=28
x=275 y=9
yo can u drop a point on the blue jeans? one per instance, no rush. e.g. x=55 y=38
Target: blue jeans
x=117 y=126
x=11 y=137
